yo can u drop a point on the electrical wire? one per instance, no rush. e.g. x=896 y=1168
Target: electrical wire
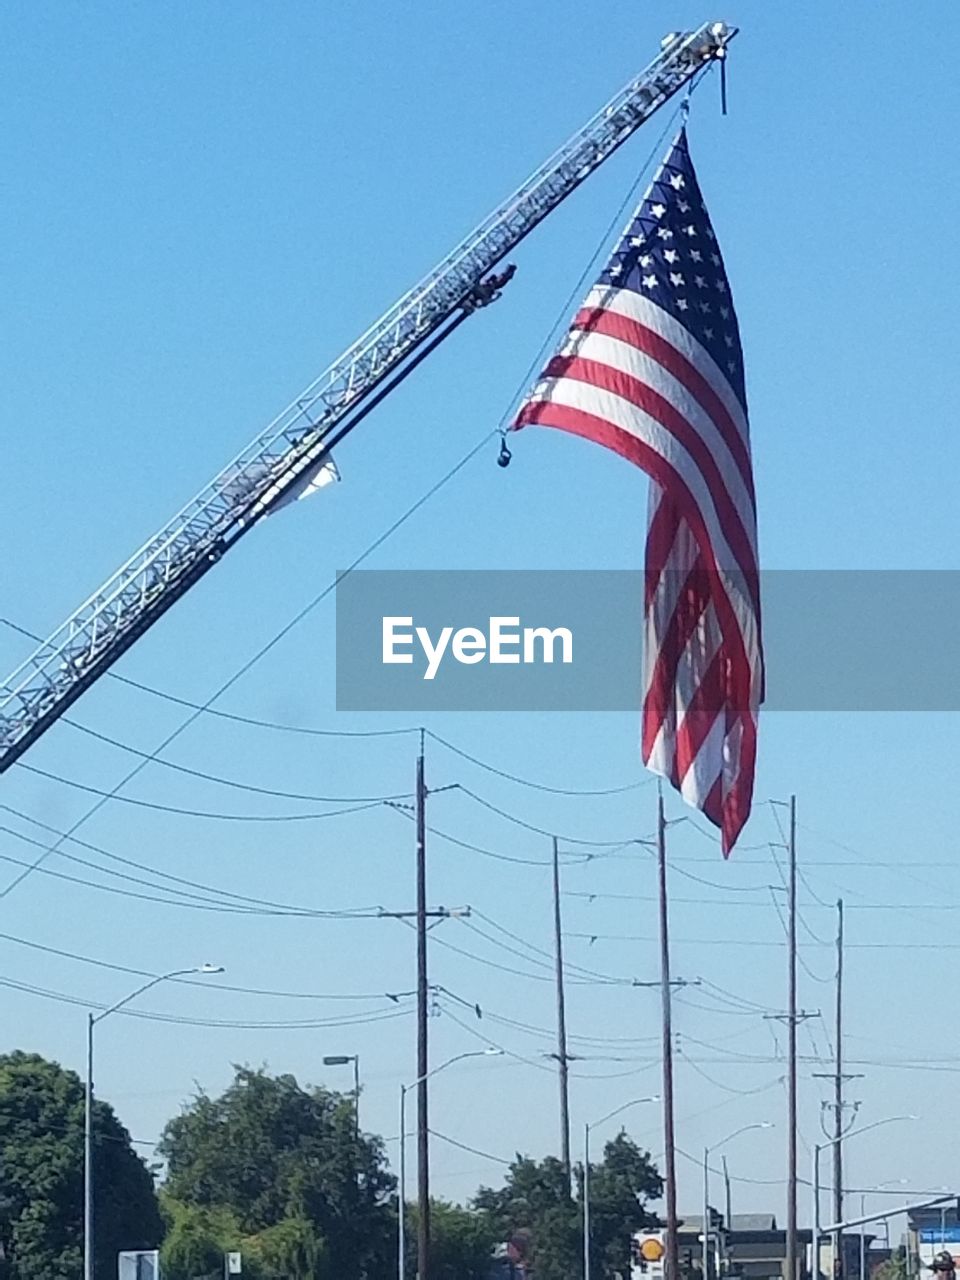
x=273 y=792
x=254 y=659
x=404 y=812
x=718 y=1084
x=537 y=786
x=199 y=905
x=394 y=997
x=542 y=831
x=348 y=1020
x=474 y=1151
x=548 y=956
x=219 y=893
x=406 y=730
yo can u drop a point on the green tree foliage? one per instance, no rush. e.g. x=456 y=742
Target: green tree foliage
x=461 y=1242
x=535 y=1199
x=895 y=1268
x=291 y=1248
x=196 y=1239
x=535 y=1202
x=619 y=1188
x=278 y=1155
x=41 y=1177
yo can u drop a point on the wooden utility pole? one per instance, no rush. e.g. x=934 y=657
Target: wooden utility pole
x=671 y=1258
x=562 y=1059
x=423 y=1130
x=791 y=1250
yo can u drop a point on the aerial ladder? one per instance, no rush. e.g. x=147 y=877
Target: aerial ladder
x=289 y=454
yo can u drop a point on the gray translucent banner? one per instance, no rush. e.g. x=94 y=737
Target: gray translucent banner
x=486 y=640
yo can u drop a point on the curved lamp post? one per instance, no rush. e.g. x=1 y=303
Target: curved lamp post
x=634 y=1102
x=404 y=1090
x=824 y=1146
x=705 y=1255
x=92 y=1020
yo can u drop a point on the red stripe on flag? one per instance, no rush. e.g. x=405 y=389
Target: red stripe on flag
x=692 y=601
x=612 y=324
x=661 y=535
x=617 y=382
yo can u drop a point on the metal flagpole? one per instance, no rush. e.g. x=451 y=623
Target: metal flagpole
x=671 y=1256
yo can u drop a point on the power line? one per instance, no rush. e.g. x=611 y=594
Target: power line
x=219 y=893
x=349 y=1020
x=148 y=758
x=311 y=731
x=200 y=905
x=256 y=657
x=542 y=831
x=537 y=786
x=589 y=973
x=474 y=1151
x=198 y=982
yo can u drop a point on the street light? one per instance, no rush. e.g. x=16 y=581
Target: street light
x=705 y=1255
x=404 y=1090
x=92 y=1020
x=345 y=1060
x=824 y=1146
x=893 y=1182
x=634 y=1102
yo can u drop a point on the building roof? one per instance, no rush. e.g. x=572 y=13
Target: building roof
x=753 y=1222
x=738 y=1222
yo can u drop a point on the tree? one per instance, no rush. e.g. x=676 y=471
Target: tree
x=536 y=1202
x=272 y=1152
x=619 y=1189
x=41 y=1177
x=196 y=1240
x=536 y=1199
x=895 y=1267
x=291 y=1248
x=461 y=1242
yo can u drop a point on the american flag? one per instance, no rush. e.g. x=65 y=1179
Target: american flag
x=653 y=368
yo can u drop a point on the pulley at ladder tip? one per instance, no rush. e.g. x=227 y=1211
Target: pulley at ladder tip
x=504 y=456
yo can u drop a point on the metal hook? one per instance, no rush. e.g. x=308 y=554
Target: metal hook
x=504 y=456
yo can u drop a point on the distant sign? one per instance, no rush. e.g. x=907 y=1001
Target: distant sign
x=938 y=1235
x=138 y=1264
x=234 y=1264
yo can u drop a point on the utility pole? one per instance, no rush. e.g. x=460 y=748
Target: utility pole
x=671 y=1257
x=838 y=1105
x=423 y=1065
x=792 y=1270
x=562 y=1059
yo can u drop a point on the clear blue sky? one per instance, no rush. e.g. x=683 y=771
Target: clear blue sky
x=202 y=206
